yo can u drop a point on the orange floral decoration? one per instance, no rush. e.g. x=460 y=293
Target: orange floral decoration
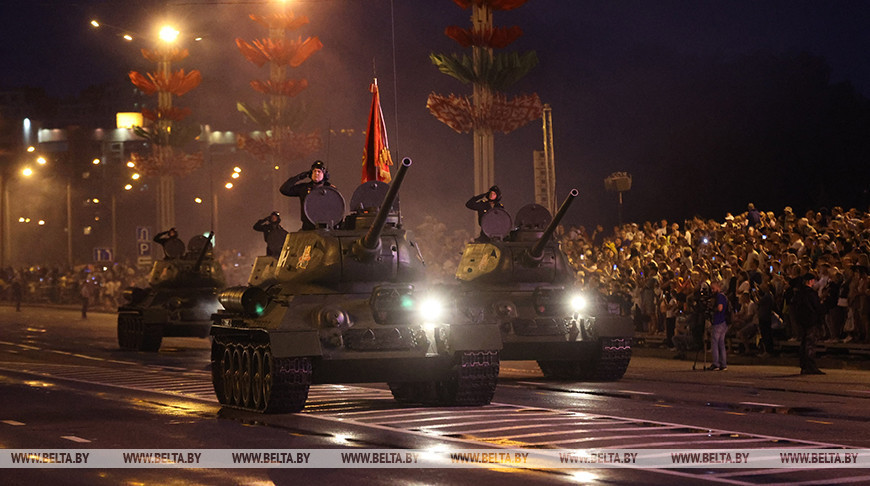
x=174 y=113
x=282 y=52
x=286 y=21
x=173 y=54
x=493 y=4
x=290 y=87
x=496 y=38
x=289 y=145
x=164 y=160
x=500 y=114
x=177 y=83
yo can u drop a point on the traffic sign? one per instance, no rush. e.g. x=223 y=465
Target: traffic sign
x=143 y=233
x=103 y=255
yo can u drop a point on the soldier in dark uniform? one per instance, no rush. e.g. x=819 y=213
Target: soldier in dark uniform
x=273 y=233
x=172 y=245
x=482 y=203
x=294 y=187
x=806 y=310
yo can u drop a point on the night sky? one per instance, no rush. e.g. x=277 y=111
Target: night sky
x=708 y=104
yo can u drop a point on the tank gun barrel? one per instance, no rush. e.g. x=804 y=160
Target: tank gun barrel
x=371 y=239
x=537 y=249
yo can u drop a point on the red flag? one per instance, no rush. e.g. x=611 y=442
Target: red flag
x=376 y=159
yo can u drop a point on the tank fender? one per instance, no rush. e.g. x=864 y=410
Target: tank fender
x=289 y=344
x=474 y=337
x=613 y=326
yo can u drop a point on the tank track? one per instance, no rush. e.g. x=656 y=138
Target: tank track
x=471 y=382
x=246 y=376
x=608 y=364
x=135 y=335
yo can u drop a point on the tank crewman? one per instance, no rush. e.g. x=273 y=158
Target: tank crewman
x=172 y=245
x=273 y=233
x=294 y=187
x=482 y=203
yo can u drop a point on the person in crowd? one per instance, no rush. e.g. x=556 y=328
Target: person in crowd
x=273 y=233
x=483 y=203
x=807 y=312
x=764 y=308
x=295 y=187
x=17 y=291
x=719 y=328
x=746 y=322
x=88 y=292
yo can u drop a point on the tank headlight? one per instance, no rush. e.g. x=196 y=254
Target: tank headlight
x=431 y=309
x=578 y=303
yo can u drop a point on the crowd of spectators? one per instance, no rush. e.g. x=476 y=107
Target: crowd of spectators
x=657 y=267
x=103 y=284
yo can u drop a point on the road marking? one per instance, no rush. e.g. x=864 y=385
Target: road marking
x=74 y=438
x=820 y=422
x=759 y=404
x=13 y=422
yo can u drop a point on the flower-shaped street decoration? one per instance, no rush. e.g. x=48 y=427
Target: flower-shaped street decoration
x=282 y=52
x=164 y=160
x=499 y=114
x=177 y=83
x=290 y=87
x=289 y=144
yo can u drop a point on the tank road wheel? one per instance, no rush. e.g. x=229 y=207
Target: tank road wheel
x=237 y=375
x=268 y=378
x=245 y=377
x=227 y=372
x=291 y=378
x=472 y=380
x=257 y=379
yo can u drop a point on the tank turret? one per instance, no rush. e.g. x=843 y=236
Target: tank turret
x=344 y=303
x=522 y=282
x=179 y=301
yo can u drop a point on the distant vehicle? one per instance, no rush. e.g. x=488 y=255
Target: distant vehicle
x=180 y=300
x=521 y=282
x=344 y=303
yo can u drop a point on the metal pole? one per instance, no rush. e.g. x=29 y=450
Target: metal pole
x=69 y=227
x=114 y=231
x=4 y=233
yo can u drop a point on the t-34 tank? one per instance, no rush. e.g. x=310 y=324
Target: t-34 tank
x=344 y=304
x=521 y=281
x=180 y=299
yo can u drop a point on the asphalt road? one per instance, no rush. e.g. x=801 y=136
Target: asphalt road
x=65 y=384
